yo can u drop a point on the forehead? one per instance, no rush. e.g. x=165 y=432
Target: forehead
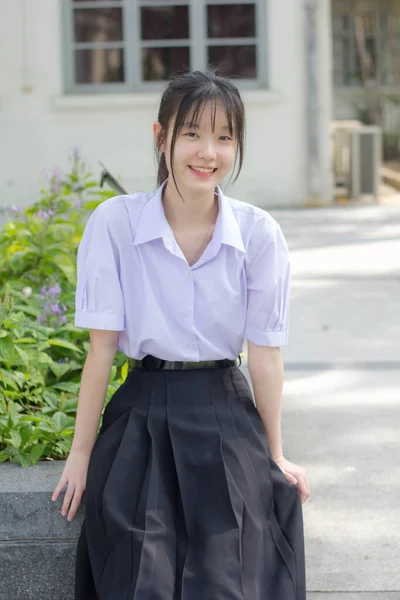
x=210 y=114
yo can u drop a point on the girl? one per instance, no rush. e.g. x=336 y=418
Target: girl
x=187 y=493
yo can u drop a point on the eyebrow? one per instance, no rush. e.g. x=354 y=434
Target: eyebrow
x=188 y=125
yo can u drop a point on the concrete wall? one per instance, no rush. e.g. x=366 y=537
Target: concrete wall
x=38 y=123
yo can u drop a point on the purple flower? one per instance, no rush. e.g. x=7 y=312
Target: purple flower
x=41 y=214
x=74 y=154
x=56 y=173
x=52 y=311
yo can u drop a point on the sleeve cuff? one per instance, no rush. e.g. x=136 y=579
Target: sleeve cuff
x=99 y=321
x=267 y=338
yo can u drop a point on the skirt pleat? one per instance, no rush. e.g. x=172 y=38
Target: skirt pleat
x=183 y=500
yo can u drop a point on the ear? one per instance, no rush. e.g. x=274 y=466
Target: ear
x=157 y=129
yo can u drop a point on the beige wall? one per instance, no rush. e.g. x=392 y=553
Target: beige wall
x=38 y=124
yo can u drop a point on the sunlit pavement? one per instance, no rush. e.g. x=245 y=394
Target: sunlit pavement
x=341 y=410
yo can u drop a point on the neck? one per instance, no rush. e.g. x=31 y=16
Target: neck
x=194 y=211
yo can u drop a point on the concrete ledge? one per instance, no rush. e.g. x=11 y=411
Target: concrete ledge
x=37 y=544
x=37 y=571
x=391 y=177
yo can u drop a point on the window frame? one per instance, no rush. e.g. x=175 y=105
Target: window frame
x=350 y=37
x=132 y=44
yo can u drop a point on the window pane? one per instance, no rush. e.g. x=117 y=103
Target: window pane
x=98 y=25
x=99 y=65
x=230 y=21
x=234 y=61
x=165 y=23
x=160 y=63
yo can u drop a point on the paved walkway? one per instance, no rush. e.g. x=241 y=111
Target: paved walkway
x=341 y=398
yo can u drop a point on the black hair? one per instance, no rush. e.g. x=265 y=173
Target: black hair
x=185 y=98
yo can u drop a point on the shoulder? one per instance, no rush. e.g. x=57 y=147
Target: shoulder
x=121 y=214
x=257 y=227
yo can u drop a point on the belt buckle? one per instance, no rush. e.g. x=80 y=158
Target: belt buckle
x=152 y=363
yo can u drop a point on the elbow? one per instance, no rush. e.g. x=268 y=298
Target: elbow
x=264 y=360
x=103 y=343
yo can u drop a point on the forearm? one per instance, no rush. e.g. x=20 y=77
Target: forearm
x=93 y=390
x=267 y=381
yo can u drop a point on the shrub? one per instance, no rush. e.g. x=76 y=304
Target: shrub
x=41 y=351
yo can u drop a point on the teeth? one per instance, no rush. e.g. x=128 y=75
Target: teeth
x=202 y=170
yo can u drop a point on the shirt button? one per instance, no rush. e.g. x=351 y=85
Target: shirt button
x=186 y=312
x=191 y=346
x=188 y=273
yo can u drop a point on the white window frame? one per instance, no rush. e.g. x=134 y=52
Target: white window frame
x=132 y=44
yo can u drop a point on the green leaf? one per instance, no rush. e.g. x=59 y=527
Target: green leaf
x=59 y=369
x=24 y=459
x=6 y=454
x=9 y=380
x=37 y=452
x=3 y=333
x=64 y=446
x=7 y=351
x=64 y=344
x=51 y=399
x=46 y=426
x=24 y=356
x=63 y=263
x=15 y=438
x=26 y=432
x=124 y=370
x=67 y=386
x=44 y=358
x=113 y=373
x=28 y=309
x=60 y=420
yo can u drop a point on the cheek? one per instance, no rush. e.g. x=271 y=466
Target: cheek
x=228 y=156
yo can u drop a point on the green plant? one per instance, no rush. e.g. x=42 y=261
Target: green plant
x=41 y=351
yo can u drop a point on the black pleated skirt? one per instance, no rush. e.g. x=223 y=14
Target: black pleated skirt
x=183 y=500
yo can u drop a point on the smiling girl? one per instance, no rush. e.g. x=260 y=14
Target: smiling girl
x=187 y=494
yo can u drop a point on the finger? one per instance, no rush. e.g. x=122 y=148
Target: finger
x=290 y=478
x=75 y=503
x=58 y=489
x=67 y=499
x=304 y=491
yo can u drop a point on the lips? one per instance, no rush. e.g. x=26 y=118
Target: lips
x=203 y=170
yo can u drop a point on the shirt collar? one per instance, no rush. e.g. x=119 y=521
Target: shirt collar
x=154 y=225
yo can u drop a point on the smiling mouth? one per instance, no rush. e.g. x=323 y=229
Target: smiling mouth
x=202 y=169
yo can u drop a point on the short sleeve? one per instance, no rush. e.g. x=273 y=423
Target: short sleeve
x=268 y=292
x=99 y=302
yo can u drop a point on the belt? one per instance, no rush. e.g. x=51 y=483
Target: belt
x=152 y=363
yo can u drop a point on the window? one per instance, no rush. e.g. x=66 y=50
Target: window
x=365 y=44
x=131 y=45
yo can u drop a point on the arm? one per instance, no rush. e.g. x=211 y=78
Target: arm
x=93 y=389
x=266 y=371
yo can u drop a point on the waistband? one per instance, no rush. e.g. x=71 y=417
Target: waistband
x=152 y=363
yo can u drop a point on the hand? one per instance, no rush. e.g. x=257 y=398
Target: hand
x=74 y=476
x=295 y=475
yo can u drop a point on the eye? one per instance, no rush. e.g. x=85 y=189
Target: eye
x=225 y=138
x=190 y=134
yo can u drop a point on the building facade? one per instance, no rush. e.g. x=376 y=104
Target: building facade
x=90 y=73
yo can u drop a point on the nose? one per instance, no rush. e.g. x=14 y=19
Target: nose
x=207 y=151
